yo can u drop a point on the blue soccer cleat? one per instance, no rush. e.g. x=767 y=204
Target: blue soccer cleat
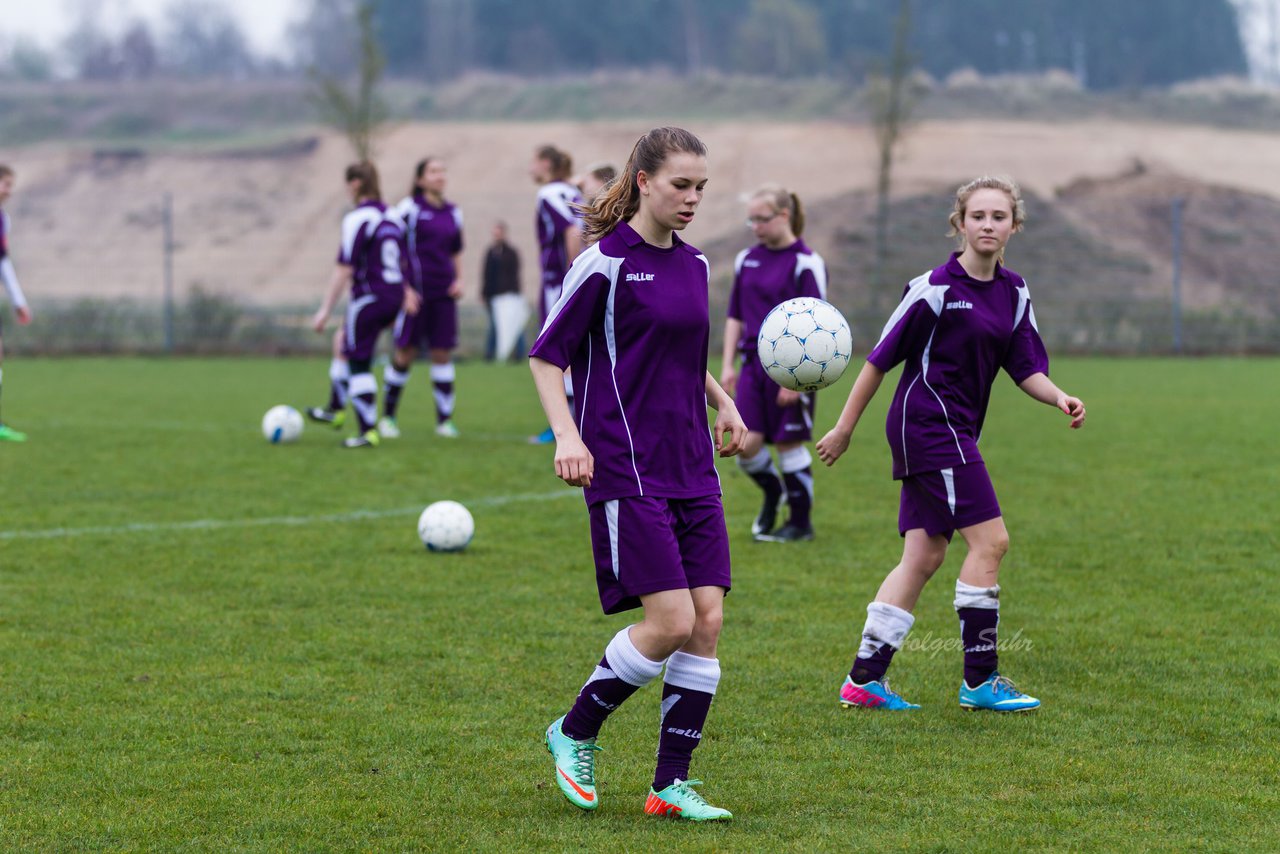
x=575 y=766
x=997 y=694
x=872 y=695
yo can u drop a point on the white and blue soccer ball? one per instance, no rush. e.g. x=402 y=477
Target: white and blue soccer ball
x=804 y=344
x=446 y=526
x=282 y=424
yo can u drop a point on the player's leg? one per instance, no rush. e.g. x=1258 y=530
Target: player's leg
x=550 y=295
x=7 y=434
x=755 y=459
x=889 y=619
x=797 y=475
x=334 y=412
x=442 y=333
x=366 y=318
x=693 y=671
x=396 y=374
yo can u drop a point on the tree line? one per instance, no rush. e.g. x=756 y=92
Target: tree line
x=1105 y=44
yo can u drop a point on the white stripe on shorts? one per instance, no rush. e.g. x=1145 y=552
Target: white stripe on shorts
x=949 y=478
x=611 y=514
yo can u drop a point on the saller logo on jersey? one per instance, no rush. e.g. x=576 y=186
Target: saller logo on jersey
x=639 y=277
x=960 y=304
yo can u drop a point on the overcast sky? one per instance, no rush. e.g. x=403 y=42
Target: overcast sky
x=48 y=21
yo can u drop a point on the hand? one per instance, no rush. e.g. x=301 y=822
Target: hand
x=1074 y=407
x=23 y=313
x=412 y=302
x=319 y=319
x=787 y=397
x=574 y=463
x=729 y=421
x=833 y=445
x=729 y=380
x=455 y=290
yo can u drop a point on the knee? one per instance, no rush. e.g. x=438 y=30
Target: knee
x=675 y=627
x=707 y=625
x=996 y=547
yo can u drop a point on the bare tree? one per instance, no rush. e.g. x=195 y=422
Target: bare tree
x=891 y=99
x=359 y=115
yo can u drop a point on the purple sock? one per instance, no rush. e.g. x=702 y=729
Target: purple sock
x=978 y=633
x=873 y=668
x=393 y=380
x=622 y=671
x=799 y=496
x=687 y=691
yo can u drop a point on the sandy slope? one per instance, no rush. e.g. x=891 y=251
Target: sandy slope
x=263 y=225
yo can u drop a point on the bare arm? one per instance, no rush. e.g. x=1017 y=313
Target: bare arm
x=831 y=446
x=455 y=288
x=573 y=243
x=574 y=463
x=729 y=368
x=1040 y=387
x=339 y=280
x=727 y=419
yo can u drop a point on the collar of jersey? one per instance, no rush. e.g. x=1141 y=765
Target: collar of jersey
x=956 y=270
x=632 y=238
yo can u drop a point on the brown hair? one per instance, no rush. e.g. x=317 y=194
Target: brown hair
x=419 y=171
x=621 y=199
x=561 y=163
x=367 y=174
x=603 y=172
x=783 y=200
x=1005 y=185
x=5 y=170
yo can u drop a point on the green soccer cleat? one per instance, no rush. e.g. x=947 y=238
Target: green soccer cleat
x=368 y=439
x=8 y=434
x=447 y=429
x=679 y=800
x=575 y=766
x=327 y=416
x=387 y=428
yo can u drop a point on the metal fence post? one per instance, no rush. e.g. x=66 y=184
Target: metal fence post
x=167 y=216
x=1178 y=203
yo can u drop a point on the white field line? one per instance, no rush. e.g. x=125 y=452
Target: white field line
x=221 y=524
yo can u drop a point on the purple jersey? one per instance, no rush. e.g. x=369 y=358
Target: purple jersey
x=634 y=325
x=954 y=333
x=764 y=277
x=435 y=237
x=556 y=215
x=373 y=246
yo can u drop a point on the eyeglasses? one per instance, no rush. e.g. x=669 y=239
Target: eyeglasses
x=753 y=221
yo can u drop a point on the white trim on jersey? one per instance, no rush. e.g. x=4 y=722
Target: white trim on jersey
x=611 y=516
x=590 y=262
x=814 y=263
x=611 y=344
x=949 y=481
x=353 y=311
x=9 y=276
x=558 y=195
x=352 y=223
x=924 y=375
x=457 y=217
x=737 y=262
x=919 y=289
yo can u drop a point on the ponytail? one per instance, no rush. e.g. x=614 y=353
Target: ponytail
x=367 y=174
x=620 y=200
x=783 y=200
x=418 y=172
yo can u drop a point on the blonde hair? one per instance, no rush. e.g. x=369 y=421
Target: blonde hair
x=1005 y=185
x=620 y=200
x=783 y=200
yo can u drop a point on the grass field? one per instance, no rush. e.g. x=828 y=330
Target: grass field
x=211 y=644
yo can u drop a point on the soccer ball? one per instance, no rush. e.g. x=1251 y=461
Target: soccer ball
x=446 y=526
x=282 y=424
x=804 y=344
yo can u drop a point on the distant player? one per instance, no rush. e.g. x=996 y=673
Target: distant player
x=595 y=179
x=776 y=269
x=10 y=279
x=372 y=259
x=434 y=229
x=559 y=235
x=954 y=330
x=633 y=323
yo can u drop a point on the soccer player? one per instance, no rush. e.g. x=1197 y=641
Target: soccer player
x=10 y=279
x=595 y=179
x=633 y=323
x=955 y=328
x=559 y=236
x=372 y=260
x=776 y=269
x=434 y=228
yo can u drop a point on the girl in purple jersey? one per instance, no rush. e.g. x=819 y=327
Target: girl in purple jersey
x=9 y=278
x=559 y=233
x=433 y=226
x=372 y=261
x=955 y=328
x=776 y=269
x=633 y=323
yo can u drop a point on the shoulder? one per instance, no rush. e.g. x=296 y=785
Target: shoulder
x=930 y=288
x=742 y=256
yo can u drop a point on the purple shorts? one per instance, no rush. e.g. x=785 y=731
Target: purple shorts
x=367 y=315
x=434 y=327
x=943 y=501
x=757 y=402
x=645 y=545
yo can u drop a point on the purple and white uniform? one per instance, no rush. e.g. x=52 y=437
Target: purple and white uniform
x=763 y=278
x=434 y=239
x=7 y=274
x=556 y=215
x=634 y=324
x=954 y=334
x=373 y=245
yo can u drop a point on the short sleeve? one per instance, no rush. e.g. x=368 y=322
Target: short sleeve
x=910 y=325
x=811 y=276
x=580 y=309
x=1026 y=354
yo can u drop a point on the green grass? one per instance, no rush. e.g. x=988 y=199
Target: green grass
x=211 y=680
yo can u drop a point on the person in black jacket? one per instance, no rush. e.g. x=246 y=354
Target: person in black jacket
x=501 y=276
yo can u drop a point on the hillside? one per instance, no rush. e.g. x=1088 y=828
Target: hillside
x=259 y=225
